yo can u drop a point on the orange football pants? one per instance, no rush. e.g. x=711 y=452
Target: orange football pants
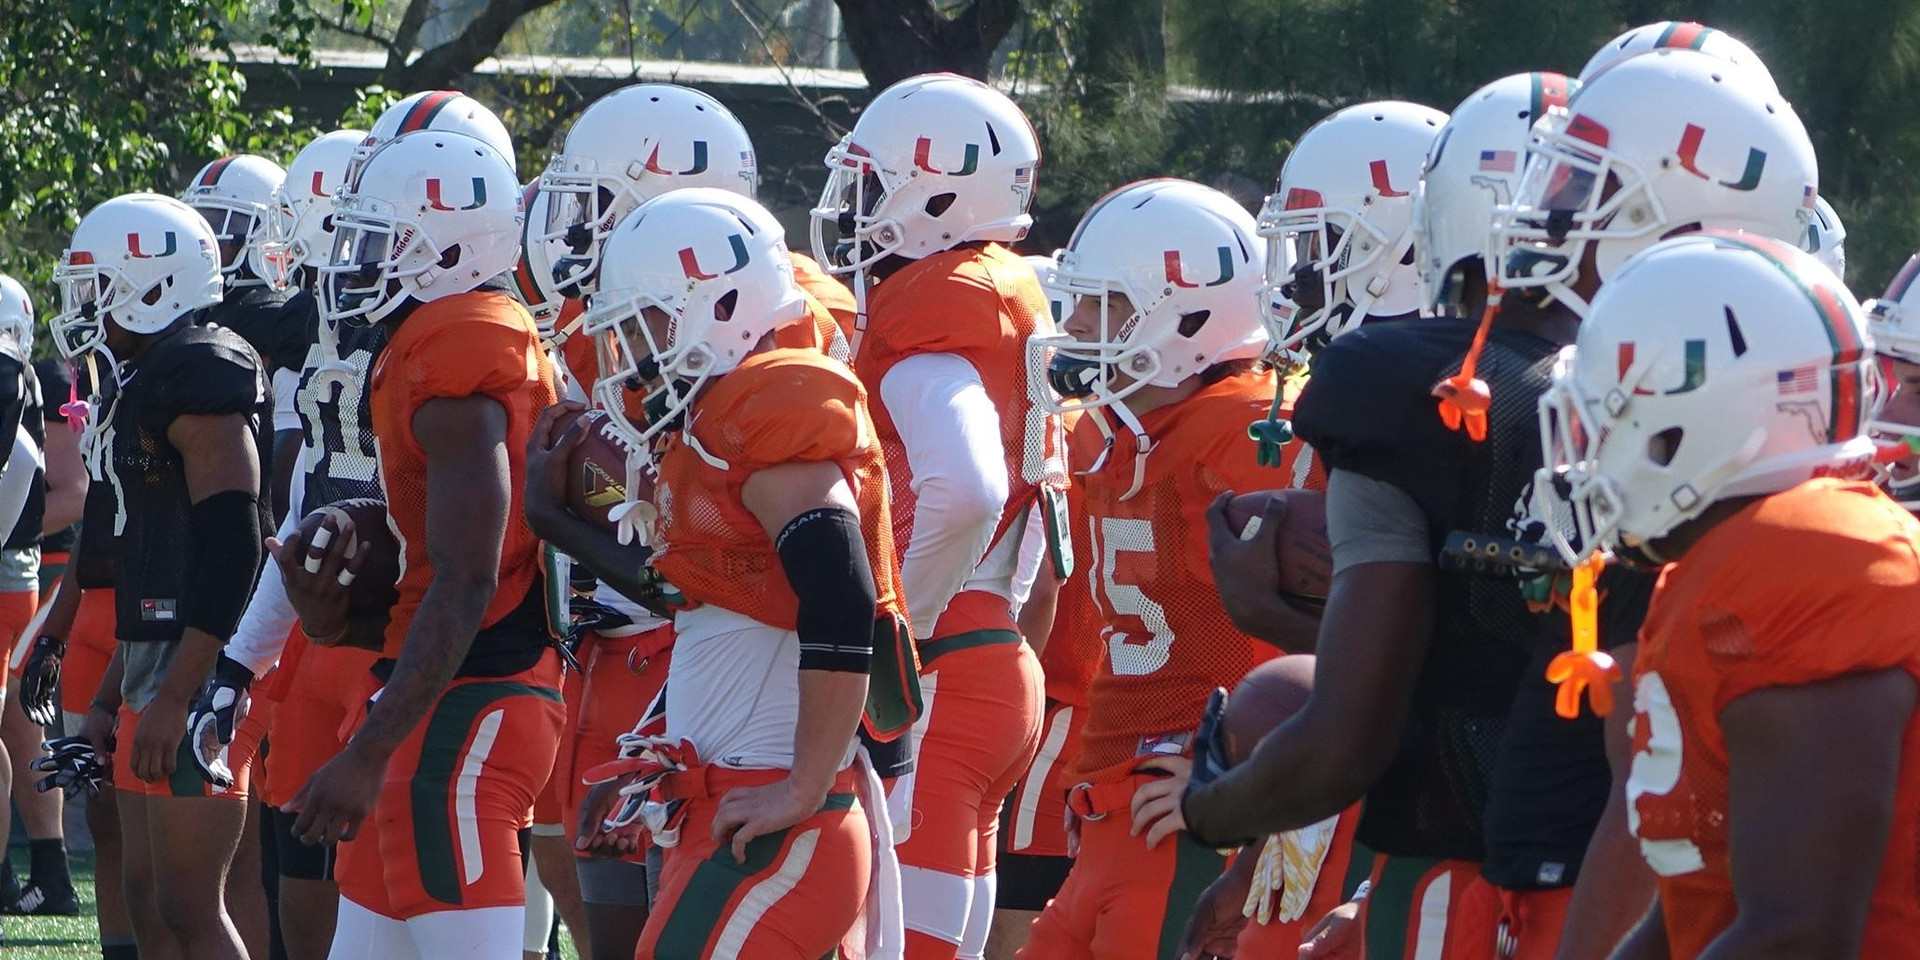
x=624 y=674
x=16 y=613
x=89 y=649
x=1418 y=909
x=1526 y=925
x=1123 y=901
x=977 y=737
x=796 y=895
x=1038 y=825
x=1279 y=938
x=445 y=831
x=323 y=692
x=550 y=804
x=186 y=780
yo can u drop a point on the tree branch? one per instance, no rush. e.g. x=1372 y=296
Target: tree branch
x=340 y=26
x=407 y=35
x=896 y=39
x=437 y=68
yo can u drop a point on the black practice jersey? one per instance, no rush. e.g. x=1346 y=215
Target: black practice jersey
x=204 y=370
x=1369 y=409
x=336 y=419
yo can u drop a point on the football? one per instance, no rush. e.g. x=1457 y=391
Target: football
x=598 y=471
x=1270 y=694
x=374 y=589
x=1300 y=545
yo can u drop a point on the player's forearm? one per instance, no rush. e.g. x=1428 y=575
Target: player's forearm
x=191 y=665
x=437 y=641
x=1614 y=890
x=107 y=695
x=830 y=705
x=66 y=602
x=1648 y=941
x=1301 y=774
x=597 y=549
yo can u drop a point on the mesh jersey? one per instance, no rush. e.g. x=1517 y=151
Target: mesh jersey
x=26 y=531
x=1074 y=651
x=826 y=294
x=196 y=370
x=1167 y=641
x=336 y=420
x=980 y=304
x=1737 y=615
x=779 y=406
x=1369 y=408
x=56 y=382
x=276 y=328
x=480 y=343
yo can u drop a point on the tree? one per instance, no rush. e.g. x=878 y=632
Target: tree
x=896 y=39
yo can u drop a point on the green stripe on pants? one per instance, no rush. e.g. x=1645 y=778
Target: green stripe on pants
x=701 y=908
x=1391 y=906
x=1194 y=867
x=432 y=784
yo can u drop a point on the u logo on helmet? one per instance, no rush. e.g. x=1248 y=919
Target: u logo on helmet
x=1380 y=181
x=318 y=190
x=923 y=158
x=1694 y=377
x=1689 y=151
x=134 y=251
x=479 y=195
x=1176 y=275
x=699 y=161
x=690 y=263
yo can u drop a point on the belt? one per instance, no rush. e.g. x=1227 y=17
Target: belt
x=931 y=650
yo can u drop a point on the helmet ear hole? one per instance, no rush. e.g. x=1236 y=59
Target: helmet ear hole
x=450 y=258
x=1191 y=323
x=156 y=292
x=723 y=307
x=938 y=205
x=1662 y=447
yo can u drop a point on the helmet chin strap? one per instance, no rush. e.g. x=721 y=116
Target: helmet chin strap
x=1141 y=443
x=1375 y=288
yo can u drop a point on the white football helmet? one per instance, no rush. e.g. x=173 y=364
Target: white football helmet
x=533 y=269
x=447 y=111
x=1342 y=212
x=1719 y=364
x=140 y=260
x=1894 y=321
x=1187 y=259
x=16 y=314
x=934 y=161
x=420 y=198
x=1673 y=35
x=1659 y=143
x=716 y=265
x=1826 y=238
x=1473 y=167
x=236 y=195
x=628 y=147
x=300 y=222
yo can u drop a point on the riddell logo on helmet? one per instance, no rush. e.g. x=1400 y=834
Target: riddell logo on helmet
x=923 y=158
x=690 y=262
x=699 y=161
x=1176 y=274
x=134 y=251
x=479 y=195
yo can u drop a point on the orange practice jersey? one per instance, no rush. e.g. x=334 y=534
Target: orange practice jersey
x=1806 y=585
x=481 y=343
x=828 y=295
x=1167 y=641
x=980 y=305
x=781 y=406
x=1074 y=650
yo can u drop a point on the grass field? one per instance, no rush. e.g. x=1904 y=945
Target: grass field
x=76 y=938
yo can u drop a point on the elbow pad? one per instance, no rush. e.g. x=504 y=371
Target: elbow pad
x=226 y=561
x=825 y=559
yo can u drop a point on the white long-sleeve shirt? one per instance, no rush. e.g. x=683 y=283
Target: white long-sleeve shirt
x=951 y=431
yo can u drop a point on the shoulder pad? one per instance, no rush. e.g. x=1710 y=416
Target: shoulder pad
x=204 y=370
x=793 y=405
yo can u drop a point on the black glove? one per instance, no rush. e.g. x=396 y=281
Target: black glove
x=1209 y=763
x=72 y=767
x=211 y=722
x=40 y=681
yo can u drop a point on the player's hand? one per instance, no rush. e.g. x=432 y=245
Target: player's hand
x=1071 y=821
x=1213 y=930
x=40 y=680
x=1336 y=936
x=747 y=813
x=218 y=711
x=317 y=572
x=97 y=729
x=592 y=836
x=1156 y=803
x=156 y=741
x=338 y=797
x=556 y=432
x=1246 y=571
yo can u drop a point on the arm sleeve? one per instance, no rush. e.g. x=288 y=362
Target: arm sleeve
x=286 y=388
x=16 y=479
x=1372 y=521
x=1033 y=555
x=952 y=435
x=269 y=617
